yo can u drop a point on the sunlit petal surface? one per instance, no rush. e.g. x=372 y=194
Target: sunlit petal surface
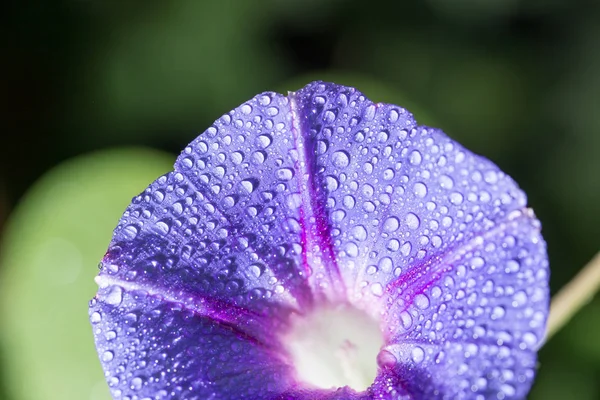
x=323 y=197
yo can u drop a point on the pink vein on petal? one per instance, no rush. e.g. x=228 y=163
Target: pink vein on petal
x=319 y=260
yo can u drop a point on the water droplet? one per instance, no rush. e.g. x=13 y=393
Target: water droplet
x=108 y=356
x=377 y=289
x=477 y=262
x=340 y=159
x=264 y=100
x=338 y=215
x=136 y=383
x=530 y=339
x=393 y=115
x=391 y=224
x=412 y=220
x=264 y=141
x=272 y=111
x=331 y=183
x=322 y=147
x=369 y=112
x=446 y=182
x=519 y=299
x=417 y=354
x=415 y=157
x=115 y=296
x=385 y=359
x=421 y=301
x=349 y=202
x=257 y=269
x=386 y=264
x=406 y=319
x=162 y=227
x=95 y=317
x=406 y=248
x=285 y=174
x=359 y=232
x=498 y=312
x=246 y=109
x=388 y=174
x=187 y=162
x=512 y=266
x=393 y=245
x=329 y=116
x=420 y=190
x=351 y=249
x=456 y=198
x=130 y=232
x=237 y=157
x=248 y=185
x=294 y=201
x=507 y=390
x=259 y=157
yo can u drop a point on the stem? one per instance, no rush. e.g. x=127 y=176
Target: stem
x=573 y=296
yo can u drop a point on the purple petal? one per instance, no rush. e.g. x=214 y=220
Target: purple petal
x=289 y=203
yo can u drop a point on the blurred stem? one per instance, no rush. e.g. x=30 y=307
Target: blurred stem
x=573 y=296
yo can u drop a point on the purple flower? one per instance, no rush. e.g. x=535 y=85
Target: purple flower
x=323 y=217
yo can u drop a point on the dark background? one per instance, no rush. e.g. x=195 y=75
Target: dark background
x=517 y=81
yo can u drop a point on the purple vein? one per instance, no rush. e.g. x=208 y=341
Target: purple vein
x=419 y=279
x=318 y=251
x=220 y=312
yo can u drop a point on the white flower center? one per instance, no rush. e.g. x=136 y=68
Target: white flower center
x=335 y=347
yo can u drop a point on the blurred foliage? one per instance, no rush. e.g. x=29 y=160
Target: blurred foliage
x=55 y=236
x=514 y=80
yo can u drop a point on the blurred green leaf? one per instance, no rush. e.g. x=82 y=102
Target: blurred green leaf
x=179 y=62
x=51 y=247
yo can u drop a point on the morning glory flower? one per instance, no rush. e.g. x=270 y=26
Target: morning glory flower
x=322 y=246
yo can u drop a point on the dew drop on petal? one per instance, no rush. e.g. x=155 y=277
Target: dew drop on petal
x=456 y=198
x=108 y=356
x=446 y=182
x=115 y=296
x=415 y=157
x=340 y=159
x=421 y=301
x=391 y=224
x=359 y=232
x=412 y=221
x=420 y=189
x=377 y=289
x=285 y=174
x=417 y=354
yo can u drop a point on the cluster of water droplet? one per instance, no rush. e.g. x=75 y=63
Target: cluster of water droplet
x=288 y=201
x=440 y=235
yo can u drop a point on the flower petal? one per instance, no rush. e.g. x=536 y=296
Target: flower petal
x=436 y=239
x=157 y=349
x=286 y=203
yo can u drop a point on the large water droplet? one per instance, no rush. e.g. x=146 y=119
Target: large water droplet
x=108 y=356
x=285 y=174
x=340 y=159
x=415 y=157
x=412 y=221
x=417 y=354
x=359 y=232
x=420 y=190
x=130 y=232
x=391 y=224
x=115 y=296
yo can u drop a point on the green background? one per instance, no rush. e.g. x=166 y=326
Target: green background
x=100 y=96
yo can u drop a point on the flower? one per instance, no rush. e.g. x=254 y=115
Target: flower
x=295 y=211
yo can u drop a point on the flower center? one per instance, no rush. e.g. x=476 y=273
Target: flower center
x=335 y=346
